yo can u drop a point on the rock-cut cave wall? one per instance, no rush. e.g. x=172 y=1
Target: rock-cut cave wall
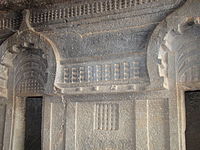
x=111 y=73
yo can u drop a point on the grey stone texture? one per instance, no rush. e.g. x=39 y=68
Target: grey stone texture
x=112 y=73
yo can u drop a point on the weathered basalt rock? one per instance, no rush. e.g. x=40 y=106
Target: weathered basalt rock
x=112 y=73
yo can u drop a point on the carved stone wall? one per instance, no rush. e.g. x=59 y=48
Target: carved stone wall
x=30 y=70
x=184 y=44
x=27 y=59
x=2 y=124
x=109 y=71
x=3 y=80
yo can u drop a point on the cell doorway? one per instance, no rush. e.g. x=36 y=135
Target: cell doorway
x=192 y=134
x=33 y=123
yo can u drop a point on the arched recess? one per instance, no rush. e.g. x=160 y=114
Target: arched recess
x=155 y=64
x=30 y=43
x=183 y=41
x=29 y=66
x=173 y=58
x=185 y=44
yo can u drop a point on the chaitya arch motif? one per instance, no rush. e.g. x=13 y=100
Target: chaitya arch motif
x=28 y=61
x=108 y=74
x=30 y=70
x=179 y=42
x=184 y=43
x=174 y=50
x=33 y=58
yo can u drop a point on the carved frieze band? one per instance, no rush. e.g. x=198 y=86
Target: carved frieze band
x=121 y=74
x=10 y=21
x=87 y=10
x=66 y=12
x=102 y=72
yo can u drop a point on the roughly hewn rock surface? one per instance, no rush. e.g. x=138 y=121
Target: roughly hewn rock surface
x=112 y=73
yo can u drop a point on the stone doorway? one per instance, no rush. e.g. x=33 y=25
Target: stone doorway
x=33 y=123
x=192 y=102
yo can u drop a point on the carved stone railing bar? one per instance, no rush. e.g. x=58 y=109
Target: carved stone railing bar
x=125 y=74
x=65 y=13
x=119 y=70
x=10 y=21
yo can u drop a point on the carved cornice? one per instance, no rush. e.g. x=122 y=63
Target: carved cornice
x=69 y=12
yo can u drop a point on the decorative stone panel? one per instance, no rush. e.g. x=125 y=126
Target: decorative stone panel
x=125 y=74
x=108 y=71
x=10 y=22
x=185 y=44
x=110 y=133
x=106 y=116
x=30 y=70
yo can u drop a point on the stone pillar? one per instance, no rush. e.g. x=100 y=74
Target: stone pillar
x=19 y=124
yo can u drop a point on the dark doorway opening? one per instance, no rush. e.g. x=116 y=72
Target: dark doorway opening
x=33 y=123
x=192 y=103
